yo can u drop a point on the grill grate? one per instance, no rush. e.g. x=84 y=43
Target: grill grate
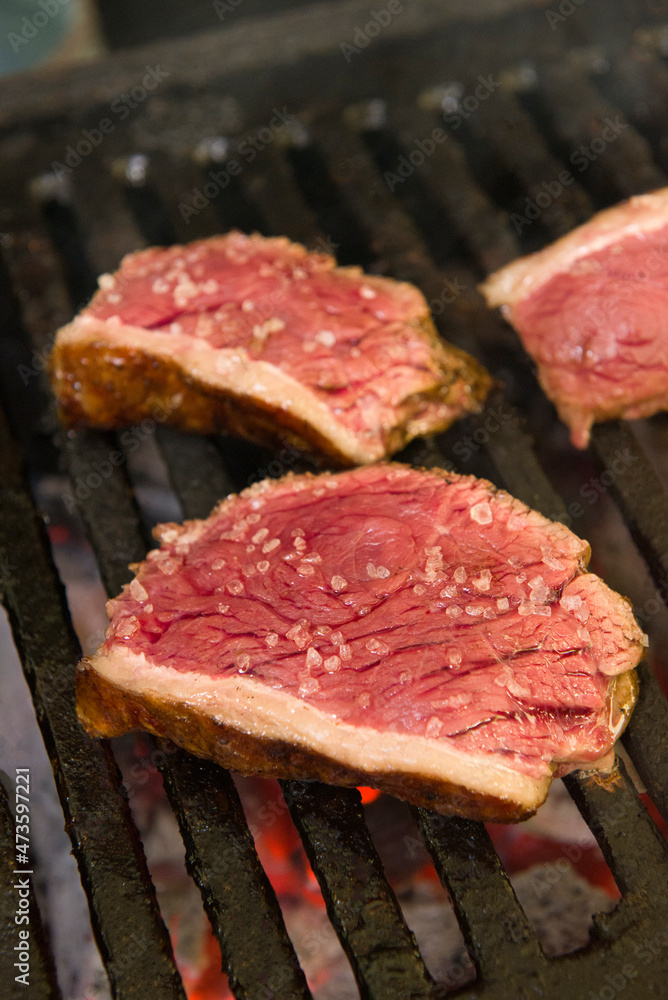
x=443 y=227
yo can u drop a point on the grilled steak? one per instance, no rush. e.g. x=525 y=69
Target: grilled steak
x=591 y=310
x=416 y=631
x=260 y=337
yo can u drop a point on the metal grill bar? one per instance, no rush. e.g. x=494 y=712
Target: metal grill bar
x=480 y=224
x=645 y=738
x=640 y=496
x=515 y=148
x=382 y=951
x=104 y=838
x=240 y=903
x=496 y=929
x=577 y=115
x=212 y=823
x=614 y=818
x=41 y=975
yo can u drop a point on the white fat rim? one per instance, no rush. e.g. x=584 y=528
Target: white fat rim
x=223 y=370
x=641 y=214
x=258 y=711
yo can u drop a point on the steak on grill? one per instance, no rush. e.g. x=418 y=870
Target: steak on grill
x=591 y=310
x=416 y=631
x=262 y=338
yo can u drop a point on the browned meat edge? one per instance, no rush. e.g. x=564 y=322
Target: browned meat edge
x=197 y=732
x=120 y=386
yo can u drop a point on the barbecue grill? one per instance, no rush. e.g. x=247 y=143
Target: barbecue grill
x=336 y=128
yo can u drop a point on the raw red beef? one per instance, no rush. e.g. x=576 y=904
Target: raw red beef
x=592 y=311
x=416 y=631
x=262 y=338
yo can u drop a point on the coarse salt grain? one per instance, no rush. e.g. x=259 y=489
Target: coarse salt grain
x=481 y=513
x=502 y=603
x=377 y=646
x=454 y=657
x=127 y=627
x=262 y=566
x=223 y=609
x=217 y=564
x=453 y=611
x=309 y=685
x=460 y=574
x=299 y=635
x=139 y=592
x=235 y=587
x=271 y=639
x=434 y=727
x=332 y=664
x=364 y=699
x=483 y=581
x=270 y=546
x=313 y=657
x=243 y=661
x=260 y=535
x=345 y=652
x=338 y=583
x=326 y=337
x=168 y=566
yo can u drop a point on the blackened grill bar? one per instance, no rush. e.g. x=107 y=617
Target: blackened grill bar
x=330 y=188
x=104 y=839
x=220 y=854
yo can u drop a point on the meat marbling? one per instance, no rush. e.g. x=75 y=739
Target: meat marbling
x=417 y=631
x=258 y=336
x=591 y=310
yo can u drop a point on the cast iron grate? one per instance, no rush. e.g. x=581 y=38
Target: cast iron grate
x=443 y=226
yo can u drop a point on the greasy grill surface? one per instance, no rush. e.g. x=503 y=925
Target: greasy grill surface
x=443 y=225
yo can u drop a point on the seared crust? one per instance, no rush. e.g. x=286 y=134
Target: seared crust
x=466 y=786
x=110 y=376
x=198 y=732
